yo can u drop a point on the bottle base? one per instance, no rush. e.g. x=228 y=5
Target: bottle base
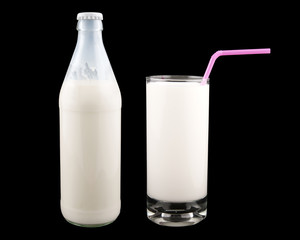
x=176 y=214
x=89 y=225
x=90 y=219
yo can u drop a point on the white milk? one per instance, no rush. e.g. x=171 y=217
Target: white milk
x=90 y=121
x=177 y=140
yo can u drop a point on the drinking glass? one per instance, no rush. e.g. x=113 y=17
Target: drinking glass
x=177 y=149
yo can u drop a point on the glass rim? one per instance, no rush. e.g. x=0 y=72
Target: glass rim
x=175 y=78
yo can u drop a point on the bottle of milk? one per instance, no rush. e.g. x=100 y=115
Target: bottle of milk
x=90 y=131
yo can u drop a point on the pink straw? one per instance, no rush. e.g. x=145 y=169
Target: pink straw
x=228 y=53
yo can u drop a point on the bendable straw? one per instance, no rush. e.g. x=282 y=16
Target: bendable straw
x=230 y=53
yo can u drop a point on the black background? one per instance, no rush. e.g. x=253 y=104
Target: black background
x=245 y=189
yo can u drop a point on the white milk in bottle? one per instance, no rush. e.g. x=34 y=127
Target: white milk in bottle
x=90 y=131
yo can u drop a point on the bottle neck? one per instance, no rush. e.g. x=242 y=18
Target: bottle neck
x=89 y=30
x=90 y=61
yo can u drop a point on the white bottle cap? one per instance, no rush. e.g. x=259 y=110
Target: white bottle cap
x=89 y=15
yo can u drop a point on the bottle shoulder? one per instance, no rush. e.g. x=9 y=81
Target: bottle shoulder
x=86 y=95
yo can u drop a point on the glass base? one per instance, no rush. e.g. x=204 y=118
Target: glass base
x=176 y=214
x=88 y=225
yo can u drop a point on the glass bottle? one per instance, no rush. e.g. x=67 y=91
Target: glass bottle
x=90 y=131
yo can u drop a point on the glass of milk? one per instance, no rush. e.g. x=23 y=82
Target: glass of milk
x=177 y=149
